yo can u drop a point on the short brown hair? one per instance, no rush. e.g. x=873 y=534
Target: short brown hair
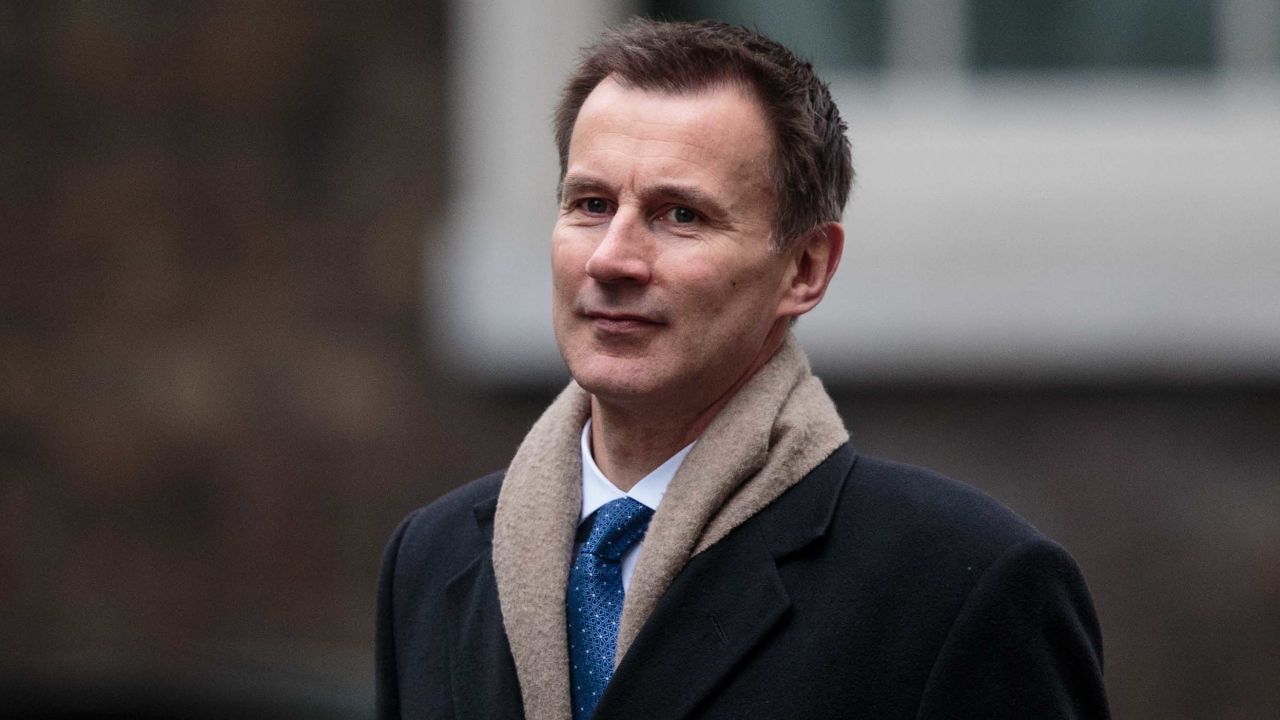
x=813 y=169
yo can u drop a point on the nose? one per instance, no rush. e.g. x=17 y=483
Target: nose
x=623 y=253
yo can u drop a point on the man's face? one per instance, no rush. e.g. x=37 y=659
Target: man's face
x=666 y=288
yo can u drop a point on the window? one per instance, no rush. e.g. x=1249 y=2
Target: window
x=831 y=33
x=1090 y=34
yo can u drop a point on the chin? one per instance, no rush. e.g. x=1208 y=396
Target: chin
x=613 y=377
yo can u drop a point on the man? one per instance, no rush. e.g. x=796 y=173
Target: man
x=686 y=532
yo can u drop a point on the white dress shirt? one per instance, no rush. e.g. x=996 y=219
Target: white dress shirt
x=597 y=490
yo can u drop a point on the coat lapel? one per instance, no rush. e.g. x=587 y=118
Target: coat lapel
x=481 y=670
x=715 y=612
x=723 y=604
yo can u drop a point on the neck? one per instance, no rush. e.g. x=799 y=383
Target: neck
x=629 y=441
x=626 y=446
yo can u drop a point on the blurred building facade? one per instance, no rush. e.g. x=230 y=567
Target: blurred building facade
x=272 y=275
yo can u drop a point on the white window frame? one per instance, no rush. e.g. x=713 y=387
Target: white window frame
x=1039 y=226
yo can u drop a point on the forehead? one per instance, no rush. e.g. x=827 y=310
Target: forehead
x=718 y=133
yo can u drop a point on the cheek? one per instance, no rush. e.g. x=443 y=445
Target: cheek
x=567 y=265
x=747 y=300
x=737 y=288
x=702 y=282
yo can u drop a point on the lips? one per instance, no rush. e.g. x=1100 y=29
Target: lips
x=620 y=317
x=621 y=322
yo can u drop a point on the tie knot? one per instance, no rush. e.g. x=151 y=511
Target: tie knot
x=619 y=524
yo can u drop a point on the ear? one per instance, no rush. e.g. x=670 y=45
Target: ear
x=810 y=265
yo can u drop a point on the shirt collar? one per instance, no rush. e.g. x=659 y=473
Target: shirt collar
x=597 y=490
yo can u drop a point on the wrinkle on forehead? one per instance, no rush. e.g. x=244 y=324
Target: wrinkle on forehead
x=663 y=135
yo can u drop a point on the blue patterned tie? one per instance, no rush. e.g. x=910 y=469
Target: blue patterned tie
x=593 y=603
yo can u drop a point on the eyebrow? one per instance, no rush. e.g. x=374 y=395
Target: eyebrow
x=696 y=198
x=579 y=185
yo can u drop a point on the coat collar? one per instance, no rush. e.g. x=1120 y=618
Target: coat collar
x=481 y=670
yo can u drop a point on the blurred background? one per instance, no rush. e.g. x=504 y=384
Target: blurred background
x=274 y=274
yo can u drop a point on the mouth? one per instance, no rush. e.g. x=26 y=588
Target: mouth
x=621 y=322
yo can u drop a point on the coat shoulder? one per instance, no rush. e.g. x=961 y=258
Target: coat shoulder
x=434 y=546
x=929 y=512
x=463 y=514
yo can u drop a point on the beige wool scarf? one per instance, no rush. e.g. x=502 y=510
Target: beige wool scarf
x=776 y=429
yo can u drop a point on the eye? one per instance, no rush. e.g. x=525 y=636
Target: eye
x=681 y=215
x=594 y=205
